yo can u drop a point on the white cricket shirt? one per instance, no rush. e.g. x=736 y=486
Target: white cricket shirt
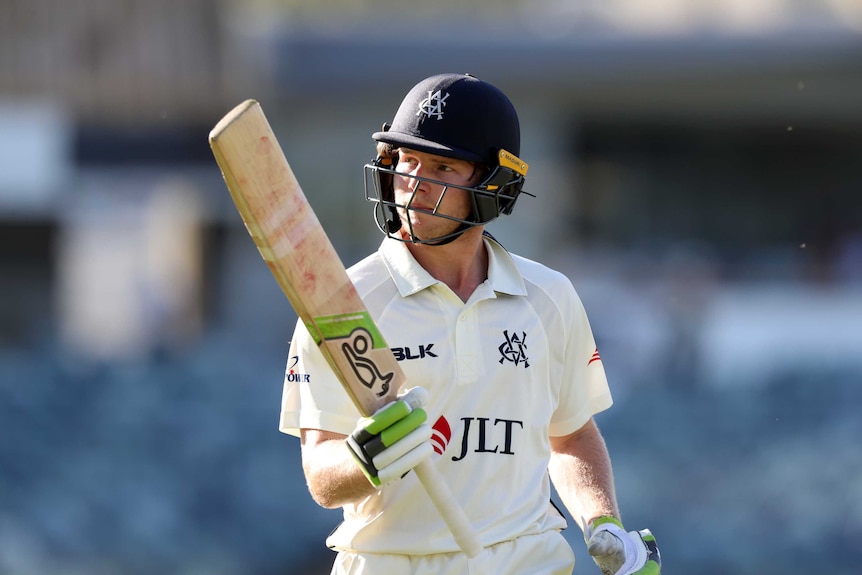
x=515 y=364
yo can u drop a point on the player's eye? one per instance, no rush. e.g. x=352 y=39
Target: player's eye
x=407 y=161
x=405 y=167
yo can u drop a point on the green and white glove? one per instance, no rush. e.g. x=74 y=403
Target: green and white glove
x=618 y=552
x=394 y=440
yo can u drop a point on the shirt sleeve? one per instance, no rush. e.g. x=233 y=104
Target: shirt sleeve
x=312 y=397
x=584 y=389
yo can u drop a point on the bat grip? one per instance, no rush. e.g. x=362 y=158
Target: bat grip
x=453 y=515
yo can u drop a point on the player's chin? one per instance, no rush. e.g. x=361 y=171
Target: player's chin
x=427 y=227
x=418 y=224
x=418 y=233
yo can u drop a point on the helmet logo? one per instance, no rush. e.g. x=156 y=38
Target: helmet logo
x=433 y=104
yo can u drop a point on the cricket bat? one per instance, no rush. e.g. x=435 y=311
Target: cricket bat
x=300 y=255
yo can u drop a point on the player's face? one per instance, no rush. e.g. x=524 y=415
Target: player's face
x=418 y=194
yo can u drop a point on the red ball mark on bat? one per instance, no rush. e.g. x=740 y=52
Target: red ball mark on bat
x=264 y=145
x=309 y=279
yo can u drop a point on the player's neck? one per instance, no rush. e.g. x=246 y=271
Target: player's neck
x=462 y=264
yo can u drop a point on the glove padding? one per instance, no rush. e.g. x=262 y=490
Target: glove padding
x=394 y=440
x=618 y=552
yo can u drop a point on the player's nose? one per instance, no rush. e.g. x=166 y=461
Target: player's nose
x=416 y=179
x=417 y=170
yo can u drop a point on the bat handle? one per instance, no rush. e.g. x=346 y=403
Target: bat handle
x=453 y=515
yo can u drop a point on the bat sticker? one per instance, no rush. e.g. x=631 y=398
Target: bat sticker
x=365 y=369
x=362 y=337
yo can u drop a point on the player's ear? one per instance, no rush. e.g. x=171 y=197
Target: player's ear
x=387 y=151
x=387 y=156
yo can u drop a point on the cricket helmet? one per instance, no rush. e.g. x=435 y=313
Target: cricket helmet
x=456 y=116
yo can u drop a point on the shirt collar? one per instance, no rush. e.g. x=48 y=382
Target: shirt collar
x=410 y=277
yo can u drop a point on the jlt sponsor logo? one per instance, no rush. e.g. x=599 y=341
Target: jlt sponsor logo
x=479 y=435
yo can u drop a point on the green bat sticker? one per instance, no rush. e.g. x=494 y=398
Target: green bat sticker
x=361 y=335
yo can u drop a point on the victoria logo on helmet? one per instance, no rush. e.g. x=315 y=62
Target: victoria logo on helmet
x=433 y=104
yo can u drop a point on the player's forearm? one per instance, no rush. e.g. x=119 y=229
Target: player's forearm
x=333 y=478
x=582 y=474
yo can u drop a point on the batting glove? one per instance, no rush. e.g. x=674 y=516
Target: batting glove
x=393 y=440
x=618 y=552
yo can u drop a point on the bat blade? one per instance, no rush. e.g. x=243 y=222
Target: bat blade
x=309 y=271
x=300 y=255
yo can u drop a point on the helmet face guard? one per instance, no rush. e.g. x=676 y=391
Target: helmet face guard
x=495 y=195
x=456 y=116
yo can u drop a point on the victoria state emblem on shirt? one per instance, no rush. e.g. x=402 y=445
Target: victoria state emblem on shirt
x=514 y=348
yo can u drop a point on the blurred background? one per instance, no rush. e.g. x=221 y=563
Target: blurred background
x=696 y=166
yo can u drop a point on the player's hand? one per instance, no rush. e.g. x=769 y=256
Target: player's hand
x=618 y=552
x=394 y=440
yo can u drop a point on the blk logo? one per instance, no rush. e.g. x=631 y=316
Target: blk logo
x=433 y=104
x=514 y=349
x=402 y=353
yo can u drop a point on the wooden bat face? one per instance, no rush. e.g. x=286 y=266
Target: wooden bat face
x=301 y=257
